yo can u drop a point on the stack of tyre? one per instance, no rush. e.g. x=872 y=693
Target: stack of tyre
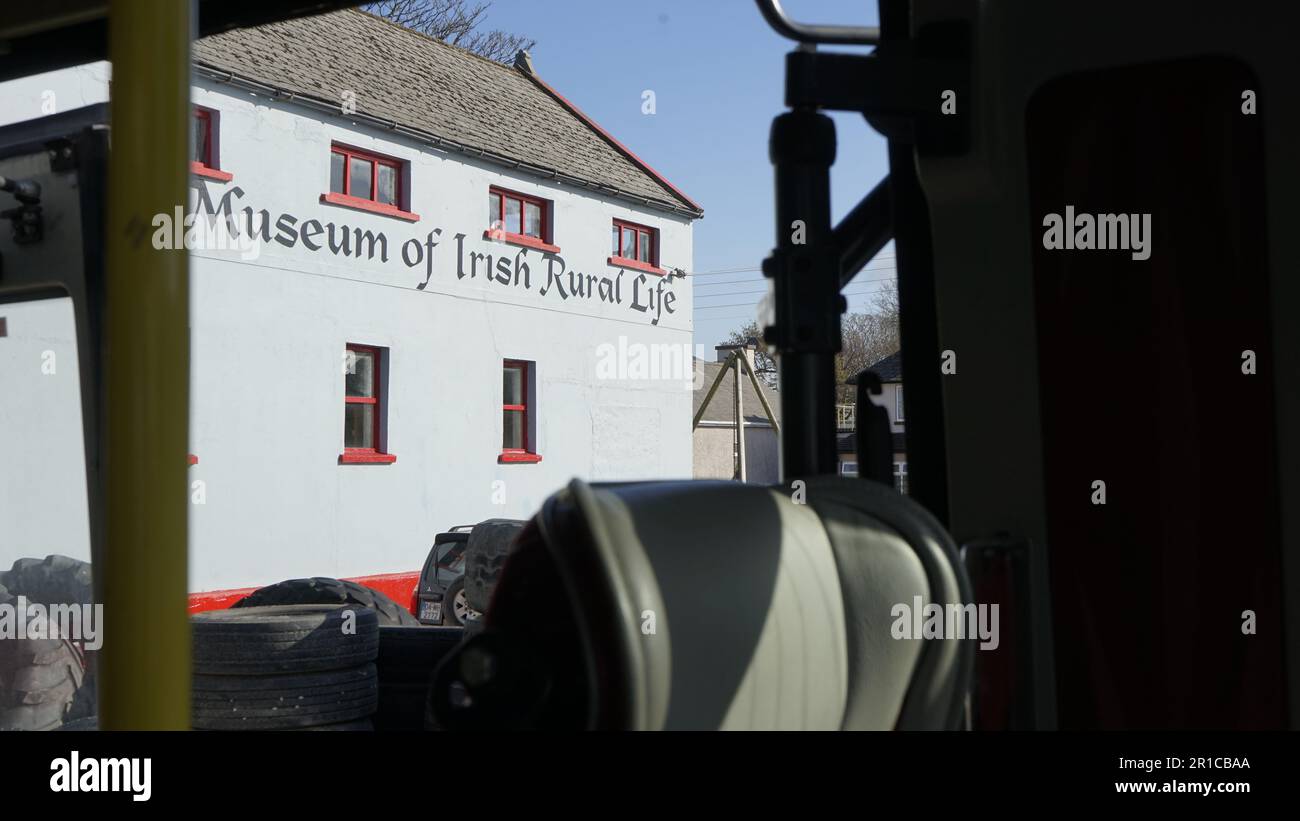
x=286 y=667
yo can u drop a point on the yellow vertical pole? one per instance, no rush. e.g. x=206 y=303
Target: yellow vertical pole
x=144 y=665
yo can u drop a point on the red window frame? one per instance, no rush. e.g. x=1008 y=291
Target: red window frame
x=542 y=243
x=348 y=199
x=371 y=455
x=524 y=454
x=206 y=166
x=634 y=262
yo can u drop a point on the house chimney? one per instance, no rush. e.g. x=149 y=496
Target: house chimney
x=523 y=62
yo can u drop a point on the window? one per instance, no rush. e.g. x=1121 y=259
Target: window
x=848 y=468
x=519 y=219
x=518 y=414
x=369 y=182
x=898 y=405
x=635 y=246
x=203 y=160
x=363 y=408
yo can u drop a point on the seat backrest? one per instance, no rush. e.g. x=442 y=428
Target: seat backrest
x=703 y=605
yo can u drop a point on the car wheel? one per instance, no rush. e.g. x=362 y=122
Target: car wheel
x=455 y=607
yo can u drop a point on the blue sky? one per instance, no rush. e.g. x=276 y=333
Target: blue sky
x=717 y=73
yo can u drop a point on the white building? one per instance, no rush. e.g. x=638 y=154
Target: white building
x=452 y=230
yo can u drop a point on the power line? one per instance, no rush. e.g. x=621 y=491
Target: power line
x=756 y=280
x=764 y=290
x=741 y=270
x=867 y=292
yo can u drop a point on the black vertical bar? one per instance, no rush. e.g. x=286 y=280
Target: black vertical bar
x=918 y=313
x=806 y=277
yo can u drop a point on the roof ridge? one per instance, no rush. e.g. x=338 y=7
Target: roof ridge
x=429 y=37
x=560 y=98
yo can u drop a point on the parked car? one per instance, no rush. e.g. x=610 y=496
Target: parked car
x=441 y=590
x=467 y=555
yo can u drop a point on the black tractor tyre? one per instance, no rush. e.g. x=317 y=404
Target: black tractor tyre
x=324 y=590
x=45 y=683
x=284 y=702
x=296 y=638
x=52 y=580
x=489 y=545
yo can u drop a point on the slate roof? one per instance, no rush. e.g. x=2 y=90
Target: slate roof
x=890 y=369
x=403 y=77
x=722 y=406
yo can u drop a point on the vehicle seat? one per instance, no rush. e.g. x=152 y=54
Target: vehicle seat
x=706 y=604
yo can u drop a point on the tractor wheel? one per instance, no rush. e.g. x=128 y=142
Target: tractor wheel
x=322 y=590
x=45 y=682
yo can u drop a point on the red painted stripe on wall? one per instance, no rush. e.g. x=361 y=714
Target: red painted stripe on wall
x=400 y=587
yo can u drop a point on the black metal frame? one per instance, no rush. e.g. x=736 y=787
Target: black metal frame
x=899 y=88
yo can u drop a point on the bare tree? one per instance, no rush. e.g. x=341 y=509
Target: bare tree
x=866 y=339
x=456 y=22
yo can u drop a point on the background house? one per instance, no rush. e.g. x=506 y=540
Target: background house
x=890 y=372
x=714 y=438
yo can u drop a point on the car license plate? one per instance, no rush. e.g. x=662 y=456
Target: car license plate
x=430 y=611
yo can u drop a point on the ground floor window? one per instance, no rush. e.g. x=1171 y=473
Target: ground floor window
x=364 y=426
x=518 y=412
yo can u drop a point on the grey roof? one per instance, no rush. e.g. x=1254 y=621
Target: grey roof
x=407 y=78
x=722 y=406
x=890 y=369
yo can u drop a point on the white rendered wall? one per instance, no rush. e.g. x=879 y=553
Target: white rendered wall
x=270 y=499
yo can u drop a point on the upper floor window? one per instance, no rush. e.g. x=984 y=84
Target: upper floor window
x=635 y=246
x=519 y=218
x=203 y=160
x=371 y=182
x=898 y=405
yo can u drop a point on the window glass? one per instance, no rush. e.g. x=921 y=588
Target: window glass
x=336 y=172
x=201 y=153
x=643 y=249
x=513 y=430
x=359 y=425
x=514 y=386
x=361 y=376
x=494 y=212
x=533 y=219
x=614 y=247
x=512 y=215
x=387 y=184
x=629 y=244
x=359 y=178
